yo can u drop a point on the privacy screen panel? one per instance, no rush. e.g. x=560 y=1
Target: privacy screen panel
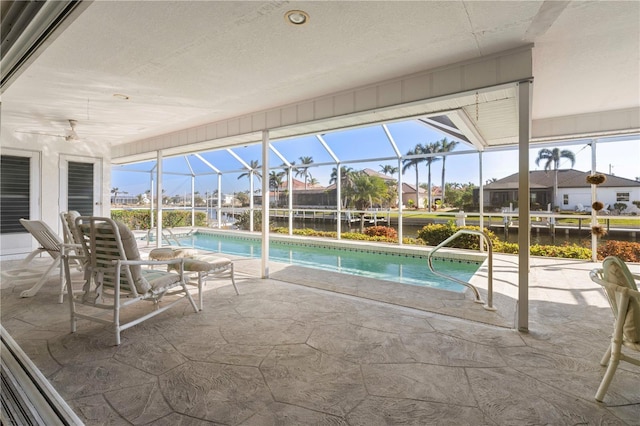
x=14 y=192
x=80 y=188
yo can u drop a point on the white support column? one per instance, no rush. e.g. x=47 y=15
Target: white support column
x=151 y=194
x=265 y=205
x=594 y=198
x=251 y=200
x=219 y=206
x=524 y=221
x=338 y=202
x=290 y=198
x=193 y=200
x=481 y=195
x=159 y=192
x=400 y=232
x=393 y=144
x=193 y=191
x=338 y=183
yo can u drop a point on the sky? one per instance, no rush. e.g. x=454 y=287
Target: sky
x=621 y=158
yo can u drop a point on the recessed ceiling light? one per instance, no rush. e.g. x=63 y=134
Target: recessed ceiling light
x=296 y=17
x=121 y=96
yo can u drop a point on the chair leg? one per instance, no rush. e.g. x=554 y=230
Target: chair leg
x=186 y=290
x=233 y=280
x=63 y=285
x=605 y=359
x=614 y=360
x=200 y=285
x=45 y=276
x=116 y=316
x=72 y=305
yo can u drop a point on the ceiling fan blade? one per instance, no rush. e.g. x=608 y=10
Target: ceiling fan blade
x=70 y=136
x=40 y=133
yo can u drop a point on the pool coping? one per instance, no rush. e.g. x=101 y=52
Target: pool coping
x=368 y=246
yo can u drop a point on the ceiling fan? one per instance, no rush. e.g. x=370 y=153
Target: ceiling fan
x=71 y=134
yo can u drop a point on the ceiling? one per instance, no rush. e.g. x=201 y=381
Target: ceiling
x=131 y=71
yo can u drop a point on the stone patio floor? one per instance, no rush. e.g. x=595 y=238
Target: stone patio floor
x=288 y=352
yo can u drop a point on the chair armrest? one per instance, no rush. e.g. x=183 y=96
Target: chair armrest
x=177 y=261
x=150 y=262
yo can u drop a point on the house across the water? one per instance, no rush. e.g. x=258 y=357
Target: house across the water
x=574 y=193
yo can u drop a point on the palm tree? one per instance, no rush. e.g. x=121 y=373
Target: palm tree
x=388 y=169
x=115 y=192
x=366 y=191
x=552 y=158
x=243 y=198
x=313 y=181
x=254 y=167
x=431 y=148
x=446 y=146
x=303 y=169
x=275 y=182
x=414 y=162
x=346 y=180
x=345 y=172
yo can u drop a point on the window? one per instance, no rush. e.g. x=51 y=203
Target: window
x=622 y=196
x=15 y=188
x=80 y=188
x=565 y=199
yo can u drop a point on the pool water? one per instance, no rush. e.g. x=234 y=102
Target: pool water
x=400 y=268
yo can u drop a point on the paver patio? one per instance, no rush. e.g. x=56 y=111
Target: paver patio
x=287 y=353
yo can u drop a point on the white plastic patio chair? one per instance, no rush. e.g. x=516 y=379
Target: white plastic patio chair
x=202 y=266
x=114 y=278
x=622 y=291
x=72 y=242
x=29 y=270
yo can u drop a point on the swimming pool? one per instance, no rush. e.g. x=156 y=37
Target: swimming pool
x=404 y=268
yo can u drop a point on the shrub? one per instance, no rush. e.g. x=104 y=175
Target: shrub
x=305 y=232
x=569 y=251
x=140 y=219
x=434 y=234
x=505 y=247
x=627 y=251
x=243 y=220
x=381 y=231
x=620 y=206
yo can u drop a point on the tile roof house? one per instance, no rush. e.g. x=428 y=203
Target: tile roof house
x=574 y=193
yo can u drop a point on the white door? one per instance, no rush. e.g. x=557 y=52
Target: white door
x=81 y=185
x=20 y=198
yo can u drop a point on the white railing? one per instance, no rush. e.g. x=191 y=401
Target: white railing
x=483 y=239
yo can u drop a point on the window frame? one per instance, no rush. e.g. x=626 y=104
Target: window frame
x=623 y=197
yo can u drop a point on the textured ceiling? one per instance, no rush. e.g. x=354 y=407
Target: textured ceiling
x=184 y=64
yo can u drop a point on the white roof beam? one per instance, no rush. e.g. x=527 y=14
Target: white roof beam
x=326 y=147
x=280 y=156
x=240 y=160
x=207 y=163
x=391 y=141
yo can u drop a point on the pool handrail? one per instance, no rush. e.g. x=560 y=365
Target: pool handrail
x=483 y=238
x=165 y=237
